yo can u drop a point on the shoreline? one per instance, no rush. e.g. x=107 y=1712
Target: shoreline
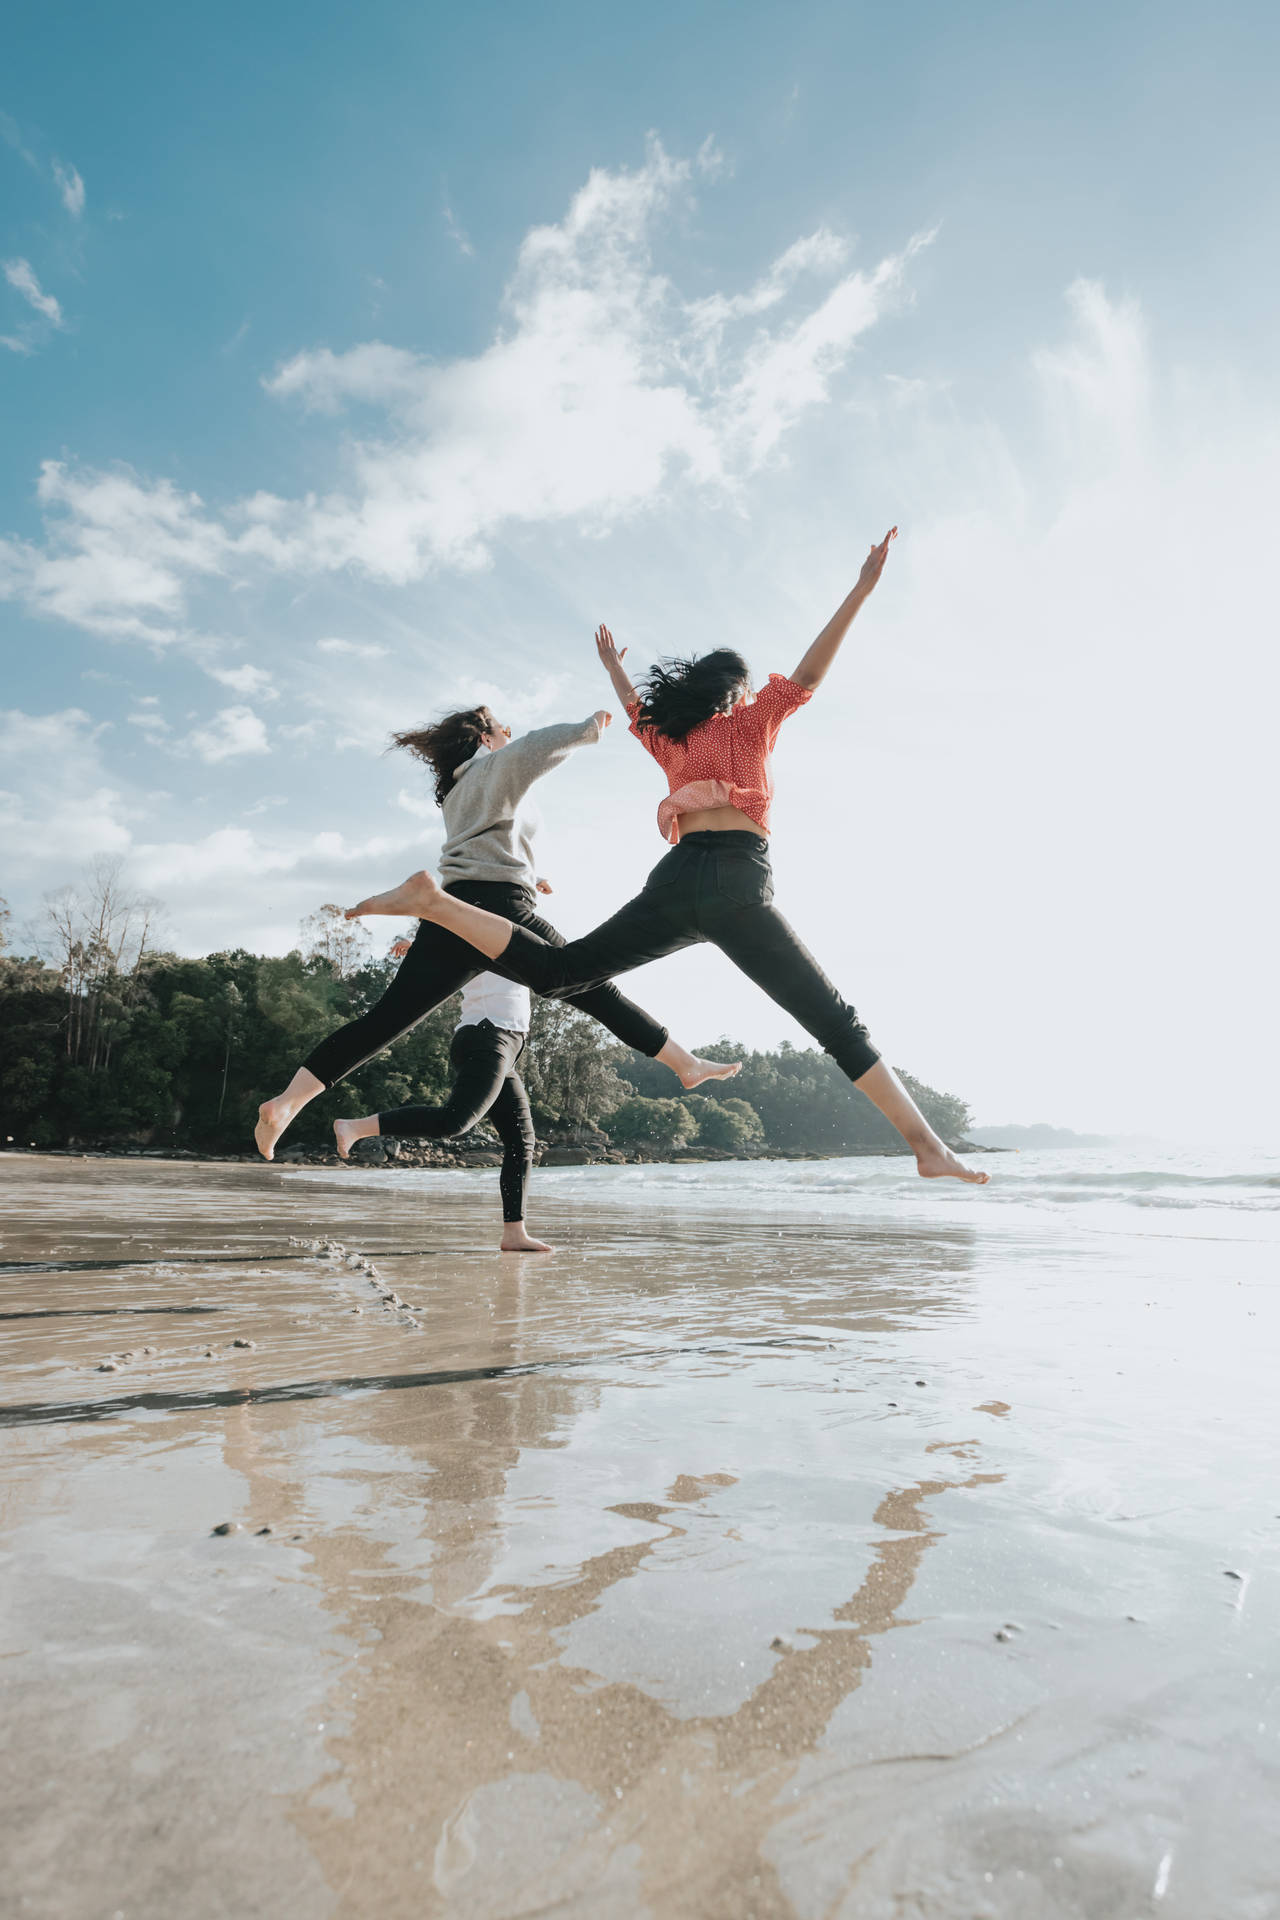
x=461 y=1160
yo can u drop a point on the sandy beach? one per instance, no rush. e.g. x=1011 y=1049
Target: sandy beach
x=790 y=1542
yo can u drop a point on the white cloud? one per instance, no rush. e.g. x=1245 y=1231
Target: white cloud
x=1098 y=383
x=118 y=555
x=790 y=373
x=253 y=682
x=819 y=252
x=217 y=855
x=709 y=159
x=232 y=732
x=63 y=807
x=603 y=392
x=358 y=649
x=21 y=277
x=12 y=344
x=421 y=805
x=151 y=723
x=71 y=187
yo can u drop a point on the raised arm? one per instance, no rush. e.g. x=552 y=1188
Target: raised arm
x=812 y=670
x=611 y=660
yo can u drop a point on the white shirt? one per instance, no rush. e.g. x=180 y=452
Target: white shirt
x=490 y=997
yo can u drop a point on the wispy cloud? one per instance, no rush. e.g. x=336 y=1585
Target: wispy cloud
x=11 y=134
x=710 y=160
x=12 y=344
x=119 y=554
x=1098 y=384
x=232 y=732
x=456 y=233
x=81 y=813
x=21 y=277
x=602 y=393
x=71 y=187
x=358 y=649
x=253 y=682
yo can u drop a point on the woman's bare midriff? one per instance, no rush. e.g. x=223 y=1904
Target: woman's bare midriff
x=720 y=820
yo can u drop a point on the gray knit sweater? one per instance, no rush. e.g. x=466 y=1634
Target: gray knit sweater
x=488 y=835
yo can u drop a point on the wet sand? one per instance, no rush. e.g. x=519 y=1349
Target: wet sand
x=763 y=1568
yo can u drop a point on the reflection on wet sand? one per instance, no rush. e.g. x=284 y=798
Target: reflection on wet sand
x=648 y=1579
x=469 y=1734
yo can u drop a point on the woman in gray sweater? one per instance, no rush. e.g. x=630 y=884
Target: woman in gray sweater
x=482 y=777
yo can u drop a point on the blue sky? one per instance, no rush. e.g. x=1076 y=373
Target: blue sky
x=355 y=365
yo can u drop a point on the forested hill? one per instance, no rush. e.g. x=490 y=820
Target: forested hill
x=109 y=1044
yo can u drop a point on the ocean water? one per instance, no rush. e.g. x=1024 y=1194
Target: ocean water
x=1191 y=1192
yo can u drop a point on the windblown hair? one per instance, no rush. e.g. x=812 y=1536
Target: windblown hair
x=447 y=743
x=679 y=695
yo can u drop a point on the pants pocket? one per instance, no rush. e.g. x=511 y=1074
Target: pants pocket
x=743 y=880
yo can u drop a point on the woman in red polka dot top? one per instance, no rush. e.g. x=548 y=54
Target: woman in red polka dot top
x=713 y=739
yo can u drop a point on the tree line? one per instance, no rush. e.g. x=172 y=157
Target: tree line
x=109 y=1040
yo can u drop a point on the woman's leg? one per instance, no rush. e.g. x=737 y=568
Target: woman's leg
x=510 y=1115
x=481 y=1057
x=436 y=965
x=636 y=934
x=630 y=1023
x=763 y=945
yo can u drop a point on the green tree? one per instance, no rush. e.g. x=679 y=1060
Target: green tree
x=731 y=1125
x=804 y=1102
x=640 y=1122
x=568 y=1068
x=116 y=1042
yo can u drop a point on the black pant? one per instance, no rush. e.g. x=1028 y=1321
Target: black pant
x=483 y=1058
x=438 y=963
x=717 y=887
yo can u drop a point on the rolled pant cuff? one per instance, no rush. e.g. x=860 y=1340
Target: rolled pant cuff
x=855 y=1061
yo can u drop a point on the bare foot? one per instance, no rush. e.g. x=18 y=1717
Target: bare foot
x=273 y=1117
x=939 y=1163
x=690 y=1069
x=347 y=1132
x=415 y=896
x=516 y=1240
x=699 y=1070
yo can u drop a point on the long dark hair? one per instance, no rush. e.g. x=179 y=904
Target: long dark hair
x=679 y=695
x=445 y=744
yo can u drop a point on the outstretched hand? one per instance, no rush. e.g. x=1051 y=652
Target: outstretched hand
x=610 y=655
x=873 y=565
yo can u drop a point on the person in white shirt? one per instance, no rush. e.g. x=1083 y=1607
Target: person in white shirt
x=488 y=1040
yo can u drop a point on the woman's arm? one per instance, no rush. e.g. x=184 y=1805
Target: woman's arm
x=813 y=668
x=611 y=660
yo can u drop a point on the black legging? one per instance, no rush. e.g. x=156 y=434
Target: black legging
x=717 y=887
x=438 y=963
x=483 y=1058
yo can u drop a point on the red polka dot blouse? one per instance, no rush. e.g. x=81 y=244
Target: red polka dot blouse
x=724 y=762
